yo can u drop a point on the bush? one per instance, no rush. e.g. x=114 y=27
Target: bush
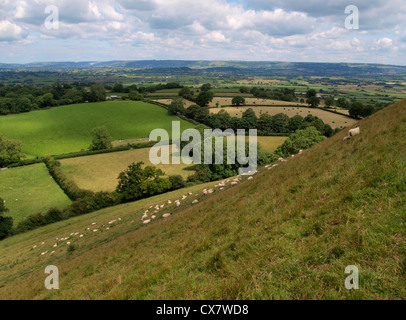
x=177 y=182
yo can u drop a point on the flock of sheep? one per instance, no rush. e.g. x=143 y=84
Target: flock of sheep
x=153 y=211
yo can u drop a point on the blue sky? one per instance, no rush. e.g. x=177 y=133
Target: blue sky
x=266 y=30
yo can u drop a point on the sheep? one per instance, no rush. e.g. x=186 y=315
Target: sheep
x=153 y=217
x=81 y=236
x=67 y=243
x=147 y=221
x=55 y=245
x=144 y=217
x=95 y=230
x=346 y=139
x=210 y=191
x=354 y=132
x=234 y=183
x=221 y=189
x=195 y=201
x=204 y=192
x=166 y=215
x=250 y=178
x=169 y=202
x=178 y=204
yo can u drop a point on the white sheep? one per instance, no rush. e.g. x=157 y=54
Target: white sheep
x=352 y=133
x=234 y=183
x=147 y=221
x=167 y=215
x=195 y=201
x=250 y=178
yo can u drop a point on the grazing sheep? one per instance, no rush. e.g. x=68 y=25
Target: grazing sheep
x=166 y=215
x=346 y=139
x=300 y=151
x=81 y=236
x=210 y=191
x=144 y=217
x=94 y=223
x=67 y=243
x=55 y=245
x=169 y=202
x=234 y=183
x=153 y=217
x=221 y=189
x=147 y=221
x=195 y=201
x=95 y=230
x=178 y=204
x=354 y=132
x=250 y=178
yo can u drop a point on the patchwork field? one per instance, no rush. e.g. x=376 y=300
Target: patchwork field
x=334 y=120
x=68 y=128
x=100 y=172
x=29 y=190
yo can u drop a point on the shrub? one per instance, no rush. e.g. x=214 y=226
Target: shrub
x=177 y=182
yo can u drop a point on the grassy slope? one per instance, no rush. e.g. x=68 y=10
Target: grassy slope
x=34 y=188
x=287 y=234
x=68 y=128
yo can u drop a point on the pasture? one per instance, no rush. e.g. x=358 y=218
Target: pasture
x=68 y=128
x=100 y=172
x=29 y=190
x=334 y=120
x=270 y=143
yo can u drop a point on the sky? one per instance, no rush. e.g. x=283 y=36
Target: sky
x=249 y=30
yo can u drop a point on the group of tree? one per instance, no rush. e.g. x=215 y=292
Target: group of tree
x=265 y=123
x=18 y=99
x=202 y=99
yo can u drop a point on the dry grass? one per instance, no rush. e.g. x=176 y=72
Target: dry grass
x=100 y=172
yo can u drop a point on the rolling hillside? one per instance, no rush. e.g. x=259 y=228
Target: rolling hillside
x=287 y=234
x=68 y=128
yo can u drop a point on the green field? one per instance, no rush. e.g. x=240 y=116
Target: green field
x=68 y=128
x=29 y=190
x=100 y=172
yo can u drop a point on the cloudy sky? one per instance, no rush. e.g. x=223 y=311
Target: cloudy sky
x=266 y=30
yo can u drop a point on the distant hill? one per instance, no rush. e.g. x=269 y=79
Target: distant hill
x=242 y=67
x=289 y=233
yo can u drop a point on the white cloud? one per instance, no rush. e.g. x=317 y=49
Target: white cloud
x=10 y=31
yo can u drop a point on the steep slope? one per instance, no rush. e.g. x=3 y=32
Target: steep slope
x=287 y=234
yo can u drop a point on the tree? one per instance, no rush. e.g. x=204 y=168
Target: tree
x=6 y=223
x=314 y=102
x=342 y=103
x=280 y=123
x=204 y=98
x=176 y=106
x=249 y=119
x=101 y=139
x=97 y=93
x=238 y=101
x=329 y=101
x=206 y=87
x=119 y=88
x=244 y=90
x=136 y=183
x=311 y=93
x=264 y=123
x=295 y=123
x=300 y=140
x=10 y=151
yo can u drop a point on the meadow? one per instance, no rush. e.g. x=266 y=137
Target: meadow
x=68 y=129
x=291 y=238
x=333 y=119
x=29 y=190
x=100 y=172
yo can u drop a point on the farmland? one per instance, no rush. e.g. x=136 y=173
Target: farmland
x=287 y=234
x=68 y=128
x=334 y=120
x=30 y=190
x=100 y=172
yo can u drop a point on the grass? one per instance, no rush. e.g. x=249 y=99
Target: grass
x=334 y=120
x=29 y=190
x=100 y=172
x=68 y=128
x=287 y=234
x=270 y=143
